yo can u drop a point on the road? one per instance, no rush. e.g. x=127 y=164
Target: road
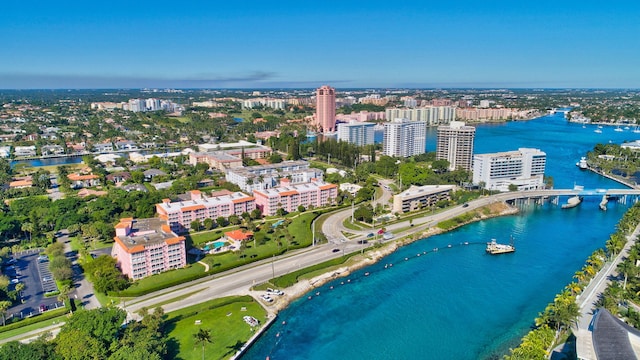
x=589 y=297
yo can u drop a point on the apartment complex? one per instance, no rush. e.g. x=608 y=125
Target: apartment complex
x=404 y=138
x=144 y=247
x=358 y=133
x=432 y=115
x=455 y=144
x=290 y=197
x=262 y=177
x=326 y=109
x=523 y=168
x=417 y=197
x=180 y=214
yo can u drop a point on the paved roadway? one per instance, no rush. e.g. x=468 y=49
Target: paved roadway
x=589 y=297
x=83 y=289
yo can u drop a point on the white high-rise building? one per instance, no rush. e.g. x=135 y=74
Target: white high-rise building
x=523 y=168
x=404 y=138
x=432 y=115
x=455 y=144
x=355 y=132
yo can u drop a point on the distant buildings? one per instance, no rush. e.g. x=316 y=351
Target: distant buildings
x=290 y=197
x=358 y=133
x=432 y=115
x=144 y=247
x=179 y=215
x=326 y=109
x=404 y=138
x=417 y=197
x=523 y=168
x=455 y=144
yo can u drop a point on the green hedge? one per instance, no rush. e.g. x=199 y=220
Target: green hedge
x=34 y=319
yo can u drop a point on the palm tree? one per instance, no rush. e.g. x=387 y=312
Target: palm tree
x=203 y=336
x=627 y=268
x=4 y=305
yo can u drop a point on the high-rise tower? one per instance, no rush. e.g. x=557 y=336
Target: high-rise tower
x=455 y=144
x=326 y=109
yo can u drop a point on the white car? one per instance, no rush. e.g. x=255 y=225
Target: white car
x=15 y=281
x=266 y=298
x=271 y=291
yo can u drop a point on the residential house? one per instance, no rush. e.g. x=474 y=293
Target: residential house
x=81 y=181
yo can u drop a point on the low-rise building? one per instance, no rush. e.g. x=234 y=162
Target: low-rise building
x=144 y=247
x=79 y=181
x=289 y=197
x=262 y=177
x=103 y=147
x=51 y=150
x=24 y=150
x=218 y=160
x=180 y=214
x=5 y=151
x=417 y=197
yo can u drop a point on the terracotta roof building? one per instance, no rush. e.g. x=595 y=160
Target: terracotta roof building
x=144 y=247
x=179 y=215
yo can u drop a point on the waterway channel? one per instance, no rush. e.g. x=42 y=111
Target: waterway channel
x=458 y=302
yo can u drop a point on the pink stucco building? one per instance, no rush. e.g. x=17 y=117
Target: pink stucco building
x=326 y=109
x=180 y=214
x=290 y=197
x=144 y=247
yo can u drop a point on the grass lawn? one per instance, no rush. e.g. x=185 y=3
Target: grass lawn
x=228 y=332
x=211 y=235
x=31 y=327
x=163 y=280
x=351 y=225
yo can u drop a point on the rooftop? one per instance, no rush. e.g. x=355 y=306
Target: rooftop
x=425 y=190
x=144 y=232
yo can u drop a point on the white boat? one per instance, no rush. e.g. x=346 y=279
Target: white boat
x=597 y=131
x=494 y=248
x=636 y=130
x=618 y=129
x=582 y=164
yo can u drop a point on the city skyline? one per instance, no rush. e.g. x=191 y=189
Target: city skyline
x=264 y=45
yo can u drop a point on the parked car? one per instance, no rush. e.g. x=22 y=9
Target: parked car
x=43 y=258
x=47 y=278
x=266 y=298
x=43 y=307
x=15 y=281
x=271 y=291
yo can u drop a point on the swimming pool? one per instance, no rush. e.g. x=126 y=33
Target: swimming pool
x=219 y=244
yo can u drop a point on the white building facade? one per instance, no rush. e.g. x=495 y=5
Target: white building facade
x=455 y=144
x=358 y=133
x=523 y=168
x=404 y=138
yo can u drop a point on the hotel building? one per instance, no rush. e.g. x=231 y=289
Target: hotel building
x=144 y=247
x=358 y=133
x=290 y=197
x=179 y=215
x=326 y=109
x=404 y=138
x=523 y=168
x=455 y=144
x=417 y=197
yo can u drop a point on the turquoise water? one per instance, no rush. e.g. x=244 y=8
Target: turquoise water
x=458 y=302
x=219 y=244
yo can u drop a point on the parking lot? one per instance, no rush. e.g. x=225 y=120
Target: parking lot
x=37 y=279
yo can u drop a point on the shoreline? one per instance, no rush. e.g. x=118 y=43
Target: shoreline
x=300 y=288
x=611 y=177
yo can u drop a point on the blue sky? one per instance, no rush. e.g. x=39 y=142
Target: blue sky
x=251 y=44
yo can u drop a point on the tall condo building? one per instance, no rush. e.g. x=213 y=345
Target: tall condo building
x=523 y=168
x=355 y=132
x=326 y=109
x=404 y=138
x=455 y=144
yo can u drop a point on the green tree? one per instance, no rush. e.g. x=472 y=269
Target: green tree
x=202 y=337
x=4 y=306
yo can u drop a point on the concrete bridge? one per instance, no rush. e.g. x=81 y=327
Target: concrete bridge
x=541 y=196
